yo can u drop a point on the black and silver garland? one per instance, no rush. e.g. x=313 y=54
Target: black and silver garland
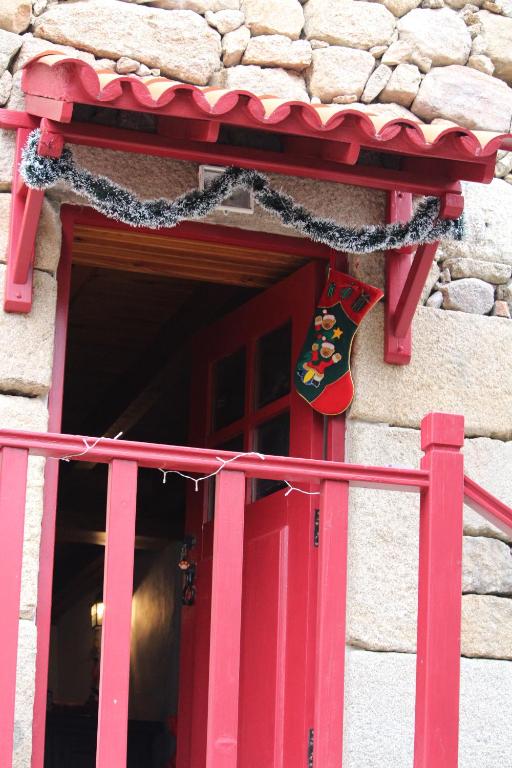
x=116 y=202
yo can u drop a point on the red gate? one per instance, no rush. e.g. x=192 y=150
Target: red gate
x=442 y=487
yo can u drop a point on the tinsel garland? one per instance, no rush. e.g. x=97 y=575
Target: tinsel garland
x=119 y=203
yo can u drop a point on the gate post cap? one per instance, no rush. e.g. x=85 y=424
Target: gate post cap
x=442 y=430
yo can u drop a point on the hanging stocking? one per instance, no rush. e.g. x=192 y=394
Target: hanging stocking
x=323 y=375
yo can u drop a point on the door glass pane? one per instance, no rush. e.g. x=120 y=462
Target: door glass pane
x=272 y=437
x=228 y=389
x=235 y=444
x=273 y=366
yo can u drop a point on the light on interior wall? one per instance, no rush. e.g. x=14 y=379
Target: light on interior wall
x=97 y=611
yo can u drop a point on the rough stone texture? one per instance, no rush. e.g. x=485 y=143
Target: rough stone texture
x=379 y=711
x=5 y=87
x=376 y=83
x=433 y=277
x=486 y=627
x=31 y=336
x=32 y=46
x=48 y=235
x=490 y=271
x=349 y=23
x=481 y=63
x=152 y=36
x=274 y=17
x=25 y=686
x=225 y=21
x=7 y=145
x=487 y=566
x=402 y=86
x=500 y=309
x=263 y=82
x=125 y=65
x=397 y=53
x=488 y=462
x=487 y=217
x=9 y=46
x=453 y=369
x=503 y=164
x=504 y=292
x=466 y=96
x=497 y=34
x=199 y=6
x=15 y=15
x=383 y=536
x=468 y=295
x=400 y=7
x=278 y=51
x=234 y=45
x=337 y=71
x=435 y=301
x=441 y=35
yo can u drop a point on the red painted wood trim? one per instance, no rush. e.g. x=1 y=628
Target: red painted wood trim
x=487 y=505
x=13 y=482
x=204 y=460
x=51 y=478
x=212 y=233
x=331 y=625
x=397 y=350
x=439 y=594
x=24 y=219
x=116 y=631
x=412 y=290
x=226 y=621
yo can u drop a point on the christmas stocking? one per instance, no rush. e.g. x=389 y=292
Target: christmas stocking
x=323 y=375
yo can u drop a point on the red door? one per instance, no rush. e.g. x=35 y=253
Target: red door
x=243 y=400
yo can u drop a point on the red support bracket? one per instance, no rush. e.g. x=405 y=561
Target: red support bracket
x=26 y=205
x=406 y=276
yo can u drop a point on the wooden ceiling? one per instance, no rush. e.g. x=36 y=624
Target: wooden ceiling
x=133 y=251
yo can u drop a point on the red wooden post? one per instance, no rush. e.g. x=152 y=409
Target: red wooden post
x=13 y=481
x=330 y=624
x=117 y=596
x=226 y=619
x=440 y=587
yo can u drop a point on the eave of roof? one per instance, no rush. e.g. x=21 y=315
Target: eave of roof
x=57 y=76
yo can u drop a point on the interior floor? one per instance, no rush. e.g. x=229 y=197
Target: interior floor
x=131 y=339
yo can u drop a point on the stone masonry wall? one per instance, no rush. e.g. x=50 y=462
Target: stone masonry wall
x=428 y=60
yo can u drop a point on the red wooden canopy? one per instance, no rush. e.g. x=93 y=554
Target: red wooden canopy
x=321 y=141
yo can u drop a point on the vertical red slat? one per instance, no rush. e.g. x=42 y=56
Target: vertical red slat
x=226 y=618
x=13 y=482
x=330 y=624
x=117 y=596
x=440 y=587
x=397 y=350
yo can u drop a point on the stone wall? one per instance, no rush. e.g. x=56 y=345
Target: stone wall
x=426 y=59
x=411 y=59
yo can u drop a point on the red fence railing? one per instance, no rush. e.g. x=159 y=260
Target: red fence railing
x=442 y=487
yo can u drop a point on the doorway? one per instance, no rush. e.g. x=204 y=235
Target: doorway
x=137 y=347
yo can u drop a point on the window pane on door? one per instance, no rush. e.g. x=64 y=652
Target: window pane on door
x=272 y=437
x=228 y=389
x=273 y=366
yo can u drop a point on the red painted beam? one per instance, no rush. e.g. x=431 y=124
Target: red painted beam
x=51 y=480
x=487 y=505
x=226 y=621
x=397 y=349
x=439 y=594
x=115 y=635
x=412 y=289
x=203 y=460
x=13 y=481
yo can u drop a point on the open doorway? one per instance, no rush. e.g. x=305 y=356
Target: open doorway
x=128 y=370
